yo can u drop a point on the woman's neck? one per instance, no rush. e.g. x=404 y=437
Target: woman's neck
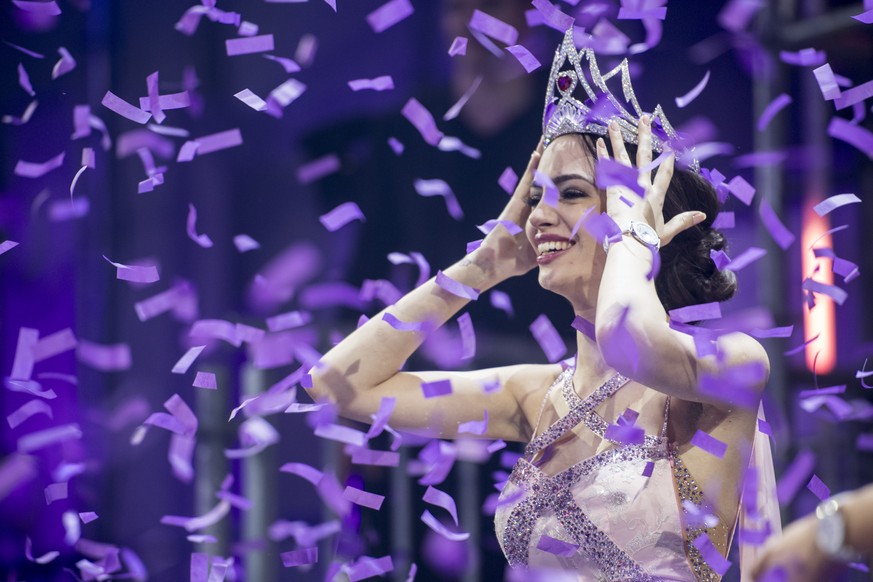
x=591 y=369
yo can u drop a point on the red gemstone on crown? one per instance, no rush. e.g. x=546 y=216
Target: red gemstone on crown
x=564 y=82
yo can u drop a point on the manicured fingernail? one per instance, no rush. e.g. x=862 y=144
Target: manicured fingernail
x=699 y=217
x=647 y=120
x=613 y=124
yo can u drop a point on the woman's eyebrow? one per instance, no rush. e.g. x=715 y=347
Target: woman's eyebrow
x=565 y=177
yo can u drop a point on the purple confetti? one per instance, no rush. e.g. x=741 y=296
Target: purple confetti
x=794 y=476
x=341 y=216
x=55 y=491
x=455 y=109
x=711 y=554
x=432 y=522
x=54 y=344
x=852 y=134
x=423 y=121
x=437 y=187
x=742 y=190
x=710 y=444
x=342 y=434
x=684 y=100
x=24 y=80
x=775 y=106
x=827 y=82
x=38 y=169
x=781 y=235
x=135 y=273
x=50 y=8
x=550 y=191
x=201 y=239
x=831 y=203
x=864 y=442
x=377 y=458
x=557 y=547
x=524 y=56
x=299 y=557
x=736 y=14
x=459 y=46
x=552 y=16
x=746 y=258
x=106 y=358
x=248 y=45
x=700 y=312
x=436 y=389
x=311 y=474
x=500 y=300
x=389 y=14
x=468 y=336
x=720 y=258
x=367 y=567
x=43 y=438
x=613 y=173
x=623 y=433
x=772 y=332
x=455 y=287
x=66 y=64
x=7 y=245
x=649 y=469
x=205 y=380
x=441 y=499
x=317 y=169
x=245 y=243
x=832 y=291
x=125 y=109
x=422 y=326
x=477 y=427
x=508 y=180
x=865 y=17
x=15 y=470
x=187 y=359
x=808 y=57
x=383 y=83
x=548 y=338
x=363 y=498
x=493 y=27
x=854 y=95
x=583 y=326
x=26 y=411
x=396 y=145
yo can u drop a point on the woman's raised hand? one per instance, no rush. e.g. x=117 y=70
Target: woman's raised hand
x=648 y=208
x=506 y=254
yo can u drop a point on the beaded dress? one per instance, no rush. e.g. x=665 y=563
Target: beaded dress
x=616 y=515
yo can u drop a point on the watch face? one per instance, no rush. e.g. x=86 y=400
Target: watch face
x=646 y=233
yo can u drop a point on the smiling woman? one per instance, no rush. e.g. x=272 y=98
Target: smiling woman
x=637 y=450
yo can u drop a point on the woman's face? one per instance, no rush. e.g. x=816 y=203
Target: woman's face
x=568 y=266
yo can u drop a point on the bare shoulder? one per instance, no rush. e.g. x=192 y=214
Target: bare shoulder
x=740 y=349
x=528 y=384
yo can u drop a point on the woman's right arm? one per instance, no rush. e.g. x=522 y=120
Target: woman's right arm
x=362 y=369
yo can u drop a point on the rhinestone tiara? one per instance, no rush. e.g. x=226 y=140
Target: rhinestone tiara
x=564 y=113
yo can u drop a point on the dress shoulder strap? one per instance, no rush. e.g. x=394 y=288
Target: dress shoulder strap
x=558 y=381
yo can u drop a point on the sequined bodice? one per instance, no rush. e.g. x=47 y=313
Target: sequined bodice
x=613 y=516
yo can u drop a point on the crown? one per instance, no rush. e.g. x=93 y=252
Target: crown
x=564 y=113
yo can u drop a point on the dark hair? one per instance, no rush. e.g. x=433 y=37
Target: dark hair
x=688 y=275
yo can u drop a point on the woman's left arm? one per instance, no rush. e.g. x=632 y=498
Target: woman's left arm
x=631 y=325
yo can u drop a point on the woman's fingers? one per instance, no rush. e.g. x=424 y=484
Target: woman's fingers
x=664 y=175
x=644 y=148
x=681 y=222
x=617 y=142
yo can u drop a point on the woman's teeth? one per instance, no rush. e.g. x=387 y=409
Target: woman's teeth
x=553 y=246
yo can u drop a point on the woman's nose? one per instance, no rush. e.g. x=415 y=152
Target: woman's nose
x=543 y=214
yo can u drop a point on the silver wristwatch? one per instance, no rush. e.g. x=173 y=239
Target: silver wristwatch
x=830 y=536
x=642 y=232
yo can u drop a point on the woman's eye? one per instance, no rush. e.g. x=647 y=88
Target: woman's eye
x=572 y=193
x=532 y=201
